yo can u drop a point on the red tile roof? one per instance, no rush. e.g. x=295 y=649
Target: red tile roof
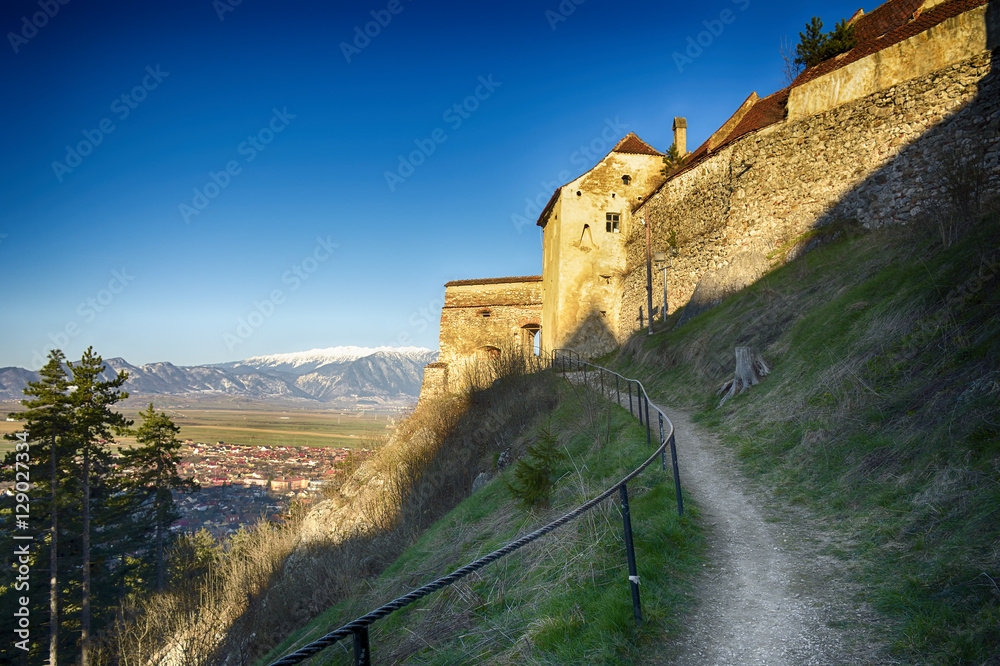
x=502 y=280
x=885 y=18
x=764 y=113
x=634 y=145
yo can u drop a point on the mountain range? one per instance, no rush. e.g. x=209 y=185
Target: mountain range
x=341 y=376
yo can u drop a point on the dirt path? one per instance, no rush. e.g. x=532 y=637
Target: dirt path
x=769 y=594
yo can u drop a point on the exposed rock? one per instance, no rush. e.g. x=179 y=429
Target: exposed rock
x=480 y=481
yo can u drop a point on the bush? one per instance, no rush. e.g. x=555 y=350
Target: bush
x=534 y=474
x=673 y=161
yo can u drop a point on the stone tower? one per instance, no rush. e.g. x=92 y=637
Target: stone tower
x=587 y=225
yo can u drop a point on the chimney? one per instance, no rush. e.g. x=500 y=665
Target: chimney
x=680 y=135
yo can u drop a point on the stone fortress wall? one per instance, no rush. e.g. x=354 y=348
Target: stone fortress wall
x=868 y=141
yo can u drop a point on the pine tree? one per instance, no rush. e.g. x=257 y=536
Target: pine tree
x=841 y=40
x=534 y=474
x=153 y=472
x=673 y=161
x=47 y=455
x=93 y=424
x=815 y=46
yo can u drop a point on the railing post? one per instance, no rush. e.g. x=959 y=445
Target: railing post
x=362 y=653
x=663 y=453
x=618 y=392
x=630 y=397
x=649 y=432
x=638 y=397
x=677 y=476
x=602 y=382
x=633 y=574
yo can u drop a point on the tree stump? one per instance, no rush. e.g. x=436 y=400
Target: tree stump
x=750 y=367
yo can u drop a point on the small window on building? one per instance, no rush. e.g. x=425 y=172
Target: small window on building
x=485 y=312
x=626 y=179
x=613 y=223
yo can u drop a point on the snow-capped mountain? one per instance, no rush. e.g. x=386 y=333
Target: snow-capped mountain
x=341 y=375
x=311 y=360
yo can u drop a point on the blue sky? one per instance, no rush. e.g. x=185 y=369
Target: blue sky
x=199 y=181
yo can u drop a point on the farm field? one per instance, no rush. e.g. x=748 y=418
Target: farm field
x=253 y=424
x=278 y=427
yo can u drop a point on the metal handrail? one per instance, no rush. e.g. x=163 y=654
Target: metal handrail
x=359 y=628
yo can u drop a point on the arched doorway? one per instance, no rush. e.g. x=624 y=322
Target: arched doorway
x=531 y=339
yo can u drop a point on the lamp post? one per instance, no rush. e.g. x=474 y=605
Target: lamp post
x=649 y=275
x=660 y=259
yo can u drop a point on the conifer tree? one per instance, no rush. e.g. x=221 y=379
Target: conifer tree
x=673 y=161
x=534 y=473
x=153 y=472
x=815 y=46
x=94 y=422
x=46 y=454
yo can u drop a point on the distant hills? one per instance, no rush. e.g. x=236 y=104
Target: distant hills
x=339 y=376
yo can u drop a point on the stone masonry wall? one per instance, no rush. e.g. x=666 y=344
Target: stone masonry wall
x=477 y=315
x=877 y=160
x=481 y=315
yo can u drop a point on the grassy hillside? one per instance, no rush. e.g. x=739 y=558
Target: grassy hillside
x=882 y=414
x=563 y=599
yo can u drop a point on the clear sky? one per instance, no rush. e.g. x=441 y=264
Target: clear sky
x=199 y=181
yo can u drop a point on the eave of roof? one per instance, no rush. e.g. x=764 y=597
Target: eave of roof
x=501 y=280
x=544 y=217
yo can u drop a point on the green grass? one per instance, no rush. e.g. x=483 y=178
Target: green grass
x=563 y=599
x=881 y=415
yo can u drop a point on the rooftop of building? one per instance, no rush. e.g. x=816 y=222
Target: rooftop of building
x=892 y=22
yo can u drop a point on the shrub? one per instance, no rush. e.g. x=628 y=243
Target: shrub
x=534 y=474
x=673 y=161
